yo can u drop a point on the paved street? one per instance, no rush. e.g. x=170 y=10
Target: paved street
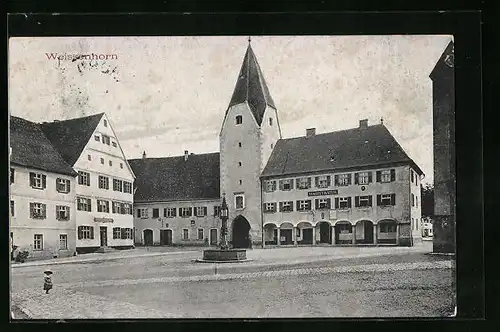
x=291 y=282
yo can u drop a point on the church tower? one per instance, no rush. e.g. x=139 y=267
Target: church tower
x=249 y=133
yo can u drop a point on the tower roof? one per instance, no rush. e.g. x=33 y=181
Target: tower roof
x=251 y=87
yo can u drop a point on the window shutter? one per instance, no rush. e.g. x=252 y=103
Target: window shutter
x=274 y=185
x=68 y=185
x=32 y=206
x=393 y=175
x=370 y=178
x=309 y=204
x=297 y=183
x=175 y=212
x=316 y=181
x=90 y=204
x=281 y=206
x=328 y=180
x=32 y=179
x=316 y=203
x=356 y=178
x=138 y=213
x=281 y=184
x=308 y=182
x=370 y=200
x=291 y=185
x=378 y=176
x=393 y=199
x=356 y=201
x=164 y=212
x=195 y=212
x=349 y=201
x=44 y=181
x=44 y=211
x=68 y=215
x=204 y=210
x=297 y=205
x=123 y=234
x=336 y=180
x=349 y=178
x=379 y=199
x=92 y=232
x=113 y=207
x=133 y=233
x=336 y=202
x=190 y=211
x=329 y=203
x=79 y=232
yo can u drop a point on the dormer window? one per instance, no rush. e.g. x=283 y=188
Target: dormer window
x=105 y=123
x=270 y=121
x=239 y=119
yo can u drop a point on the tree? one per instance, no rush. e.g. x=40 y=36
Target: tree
x=427 y=200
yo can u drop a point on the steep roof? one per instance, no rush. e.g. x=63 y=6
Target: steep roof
x=351 y=148
x=173 y=178
x=31 y=148
x=251 y=87
x=71 y=136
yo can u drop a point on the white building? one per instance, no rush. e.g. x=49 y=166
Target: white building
x=42 y=194
x=104 y=190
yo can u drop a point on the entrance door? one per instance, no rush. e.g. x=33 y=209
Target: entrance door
x=213 y=237
x=165 y=237
x=104 y=236
x=368 y=226
x=148 y=237
x=324 y=233
x=307 y=236
x=241 y=235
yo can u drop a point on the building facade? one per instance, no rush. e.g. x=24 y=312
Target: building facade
x=42 y=194
x=319 y=190
x=443 y=95
x=104 y=188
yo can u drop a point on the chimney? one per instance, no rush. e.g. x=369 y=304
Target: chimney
x=363 y=123
x=310 y=132
x=144 y=155
x=186 y=154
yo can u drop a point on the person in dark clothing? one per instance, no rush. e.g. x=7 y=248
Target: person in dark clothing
x=47 y=281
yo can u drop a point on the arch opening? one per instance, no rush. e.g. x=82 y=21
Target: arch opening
x=270 y=234
x=325 y=232
x=241 y=233
x=148 y=237
x=343 y=232
x=364 y=232
x=387 y=231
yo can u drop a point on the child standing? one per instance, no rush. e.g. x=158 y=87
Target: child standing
x=47 y=281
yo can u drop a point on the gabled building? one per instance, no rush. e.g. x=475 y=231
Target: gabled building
x=104 y=189
x=42 y=194
x=177 y=200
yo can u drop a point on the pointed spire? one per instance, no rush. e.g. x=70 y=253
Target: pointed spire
x=251 y=86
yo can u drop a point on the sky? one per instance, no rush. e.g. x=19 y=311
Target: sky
x=164 y=95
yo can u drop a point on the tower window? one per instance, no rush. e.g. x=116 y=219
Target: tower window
x=270 y=121
x=241 y=182
x=239 y=119
x=239 y=163
x=239 y=144
x=105 y=123
x=272 y=145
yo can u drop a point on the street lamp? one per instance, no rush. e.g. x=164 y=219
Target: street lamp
x=224 y=214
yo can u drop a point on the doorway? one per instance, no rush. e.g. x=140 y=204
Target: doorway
x=307 y=236
x=241 y=235
x=148 y=237
x=165 y=237
x=103 y=236
x=213 y=237
x=325 y=235
x=367 y=232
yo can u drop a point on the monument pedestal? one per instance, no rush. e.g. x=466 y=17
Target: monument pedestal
x=223 y=256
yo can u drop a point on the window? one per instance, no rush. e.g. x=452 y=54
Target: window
x=200 y=234
x=84 y=178
x=126 y=233
x=241 y=182
x=103 y=182
x=239 y=202
x=102 y=161
x=156 y=213
x=272 y=145
x=322 y=181
x=102 y=206
x=304 y=205
x=12 y=208
x=269 y=186
x=127 y=187
x=85 y=232
x=185 y=212
x=121 y=165
x=269 y=207
x=286 y=206
x=97 y=138
x=200 y=211
x=239 y=144
x=169 y=212
x=386 y=199
x=343 y=179
x=12 y=172
x=185 y=234
x=106 y=140
x=110 y=163
x=142 y=213
x=239 y=119
x=363 y=178
x=416 y=200
x=84 y=204
x=127 y=208
x=412 y=224
x=38 y=210
x=62 y=212
x=303 y=183
x=342 y=203
x=38 y=242
x=105 y=123
x=412 y=200
x=216 y=211
x=117 y=233
x=387 y=227
x=239 y=163
x=387 y=175
x=38 y=180
x=114 y=144
x=117 y=207
x=323 y=203
x=117 y=185
x=89 y=157
x=411 y=172
x=363 y=201
x=63 y=242
x=286 y=184
x=270 y=121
